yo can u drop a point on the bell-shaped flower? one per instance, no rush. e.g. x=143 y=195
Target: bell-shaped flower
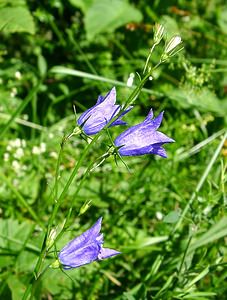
x=96 y=117
x=85 y=248
x=143 y=138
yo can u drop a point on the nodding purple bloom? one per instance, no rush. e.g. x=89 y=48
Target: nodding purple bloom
x=85 y=248
x=96 y=117
x=143 y=138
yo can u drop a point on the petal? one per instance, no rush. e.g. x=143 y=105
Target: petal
x=159 y=137
x=80 y=256
x=100 y=99
x=157 y=121
x=149 y=116
x=82 y=240
x=150 y=149
x=110 y=97
x=106 y=252
x=119 y=121
x=107 y=101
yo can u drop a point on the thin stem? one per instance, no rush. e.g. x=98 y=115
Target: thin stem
x=148 y=58
x=201 y=182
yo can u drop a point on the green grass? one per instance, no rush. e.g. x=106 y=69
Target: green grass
x=166 y=216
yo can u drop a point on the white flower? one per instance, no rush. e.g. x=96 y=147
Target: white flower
x=54 y=154
x=6 y=156
x=19 y=153
x=18 y=75
x=16 y=166
x=13 y=92
x=36 y=150
x=43 y=147
x=159 y=215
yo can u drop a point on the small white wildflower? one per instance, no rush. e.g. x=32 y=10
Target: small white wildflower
x=6 y=156
x=207 y=210
x=16 y=166
x=159 y=215
x=36 y=150
x=9 y=148
x=43 y=147
x=150 y=78
x=18 y=75
x=173 y=43
x=13 y=92
x=51 y=135
x=16 y=143
x=19 y=153
x=130 y=79
x=54 y=154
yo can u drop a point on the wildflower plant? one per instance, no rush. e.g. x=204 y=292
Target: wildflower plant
x=140 y=139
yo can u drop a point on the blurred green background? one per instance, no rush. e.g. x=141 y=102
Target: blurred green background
x=111 y=39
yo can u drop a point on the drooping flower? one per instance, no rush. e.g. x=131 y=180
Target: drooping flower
x=143 y=138
x=96 y=117
x=85 y=248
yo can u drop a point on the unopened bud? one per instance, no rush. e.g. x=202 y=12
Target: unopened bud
x=158 y=33
x=172 y=48
x=51 y=238
x=173 y=43
x=130 y=79
x=85 y=207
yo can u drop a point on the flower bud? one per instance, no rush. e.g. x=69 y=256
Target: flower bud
x=158 y=33
x=173 y=43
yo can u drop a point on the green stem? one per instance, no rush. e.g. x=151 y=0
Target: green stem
x=201 y=182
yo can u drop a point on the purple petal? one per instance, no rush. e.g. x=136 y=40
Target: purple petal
x=150 y=149
x=157 y=121
x=79 y=257
x=149 y=116
x=100 y=99
x=106 y=252
x=110 y=97
x=88 y=236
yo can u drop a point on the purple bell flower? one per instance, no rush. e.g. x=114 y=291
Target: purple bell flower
x=143 y=138
x=85 y=248
x=96 y=117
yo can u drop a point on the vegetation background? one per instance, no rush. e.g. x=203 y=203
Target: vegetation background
x=166 y=216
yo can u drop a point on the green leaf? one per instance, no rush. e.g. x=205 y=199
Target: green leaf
x=204 y=100
x=17 y=287
x=106 y=16
x=16 y=19
x=82 y=4
x=217 y=231
x=172 y=217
